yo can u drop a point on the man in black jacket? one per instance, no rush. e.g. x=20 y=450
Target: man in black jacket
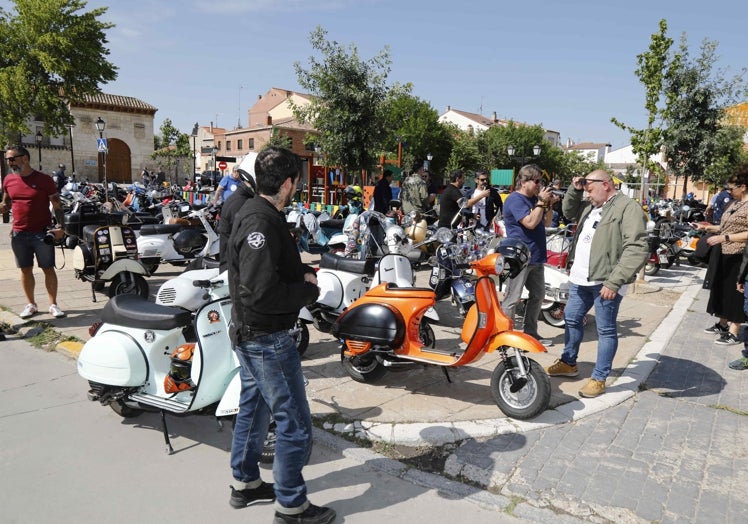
x=269 y=285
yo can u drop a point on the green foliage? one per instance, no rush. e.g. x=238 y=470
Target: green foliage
x=171 y=147
x=465 y=152
x=697 y=144
x=415 y=123
x=51 y=52
x=651 y=66
x=349 y=101
x=279 y=140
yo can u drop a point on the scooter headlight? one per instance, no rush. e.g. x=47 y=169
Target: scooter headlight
x=443 y=235
x=499 y=264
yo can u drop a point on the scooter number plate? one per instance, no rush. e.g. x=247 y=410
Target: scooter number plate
x=663 y=259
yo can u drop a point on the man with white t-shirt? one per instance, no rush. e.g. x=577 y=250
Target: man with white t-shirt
x=609 y=248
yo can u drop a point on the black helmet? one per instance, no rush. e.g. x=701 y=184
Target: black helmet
x=247 y=177
x=516 y=255
x=189 y=241
x=61 y=166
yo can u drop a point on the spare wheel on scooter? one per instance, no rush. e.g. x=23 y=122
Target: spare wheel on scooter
x=127 y=283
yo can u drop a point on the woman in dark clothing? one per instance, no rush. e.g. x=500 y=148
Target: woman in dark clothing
x=728 y=240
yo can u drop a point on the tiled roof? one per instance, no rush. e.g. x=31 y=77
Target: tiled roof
x=126 y=103
x=587 y=145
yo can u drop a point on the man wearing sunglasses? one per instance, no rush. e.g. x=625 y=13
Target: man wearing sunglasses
x=609 y=248
x=31 y=193
x=486 y=209
x=527 y=212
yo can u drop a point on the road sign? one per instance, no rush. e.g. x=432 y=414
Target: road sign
x=101 y=145
x=222 y=165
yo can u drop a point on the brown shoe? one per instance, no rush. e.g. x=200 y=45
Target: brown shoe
x=593 y=388
x=561 y=369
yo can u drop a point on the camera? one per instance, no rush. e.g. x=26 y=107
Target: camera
x=558 y=193
x=50 y=240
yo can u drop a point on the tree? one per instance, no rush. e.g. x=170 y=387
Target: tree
x=348 y=103
x=651 y=69
x=171 y=147
x=696 y=142
x=278 y=139
x=415 y=123
x=495 y=141
x=51 y=54
x=465 y=152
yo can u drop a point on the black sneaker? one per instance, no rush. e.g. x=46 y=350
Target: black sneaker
x=241 y=498
x=311 y=515
x=727 y=339
x=716 y=329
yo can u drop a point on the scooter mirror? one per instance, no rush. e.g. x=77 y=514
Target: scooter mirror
x=444 y=235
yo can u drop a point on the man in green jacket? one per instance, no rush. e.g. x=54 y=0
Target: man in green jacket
x=609 y=248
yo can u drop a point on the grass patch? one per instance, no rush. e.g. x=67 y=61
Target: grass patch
x=728 y=408
x=44 y=336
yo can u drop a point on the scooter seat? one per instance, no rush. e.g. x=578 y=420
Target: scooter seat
x=135 y=311
x=333 y=223
x=160 y=229
x=349 y=265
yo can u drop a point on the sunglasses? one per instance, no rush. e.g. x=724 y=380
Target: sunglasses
x=482 y=180
x=586 y=181
x=13 y=157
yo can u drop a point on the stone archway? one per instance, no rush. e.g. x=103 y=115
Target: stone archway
x=118 y=163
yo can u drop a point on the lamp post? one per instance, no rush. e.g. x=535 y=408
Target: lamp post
x=427 y=162
x=194 y=152
x=39 y=147
x=511 y=150
x=72 y=155
x=100 y=126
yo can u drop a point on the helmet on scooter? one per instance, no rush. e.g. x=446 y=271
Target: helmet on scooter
x=178 y=378
x=247 y=177
x=516 y=256
x=189 y=241
x=353 y=192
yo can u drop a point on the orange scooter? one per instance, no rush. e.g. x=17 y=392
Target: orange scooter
x=385 y=328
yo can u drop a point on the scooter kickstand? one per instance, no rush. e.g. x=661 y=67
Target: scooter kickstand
x=446 y=374
x=169 y=449
x=93 y=292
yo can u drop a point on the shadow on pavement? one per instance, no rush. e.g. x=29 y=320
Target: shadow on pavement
x=685 y=378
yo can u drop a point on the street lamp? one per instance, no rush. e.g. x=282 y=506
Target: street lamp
x=100 y=125
x=194 y=152
x=39 y=147
x=511 y=150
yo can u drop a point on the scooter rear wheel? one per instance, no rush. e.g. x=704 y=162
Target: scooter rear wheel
x=365 y=369
x=529 y=398
x=555 y=315
x=300 y=334
x=127 y=283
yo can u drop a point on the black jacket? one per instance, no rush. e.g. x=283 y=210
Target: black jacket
x=266 y=276
x=230 y=208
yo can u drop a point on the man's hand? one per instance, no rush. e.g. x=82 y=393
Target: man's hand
x=577 y=182
x=607 y=293
x=311 y=278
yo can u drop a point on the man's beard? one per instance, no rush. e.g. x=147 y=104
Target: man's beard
x=15 y=168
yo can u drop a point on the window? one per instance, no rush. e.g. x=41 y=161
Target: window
x=228 y=145
x=251 y=143
x=239 y=144
x=219 y=145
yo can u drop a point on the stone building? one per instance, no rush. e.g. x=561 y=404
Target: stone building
x=128 y=130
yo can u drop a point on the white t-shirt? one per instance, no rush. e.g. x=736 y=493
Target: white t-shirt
x=580 y=269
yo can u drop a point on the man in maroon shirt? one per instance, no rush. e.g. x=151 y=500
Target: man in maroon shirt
x=31 y=193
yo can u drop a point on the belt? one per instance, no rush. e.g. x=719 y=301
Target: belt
x=251 y=333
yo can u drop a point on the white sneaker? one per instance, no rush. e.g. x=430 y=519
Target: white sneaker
x=28 y=311
x=56 y=311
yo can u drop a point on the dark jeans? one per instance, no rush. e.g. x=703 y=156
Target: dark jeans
x=272 y=382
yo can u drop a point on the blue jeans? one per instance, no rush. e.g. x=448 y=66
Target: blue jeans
x=581 y=300
x=272 y=383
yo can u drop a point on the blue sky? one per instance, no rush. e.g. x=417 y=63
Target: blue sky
x=568 y=66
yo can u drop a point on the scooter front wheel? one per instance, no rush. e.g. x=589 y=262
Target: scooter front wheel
x=127 y=283
x=300 y=335
x=554 y=315
x=364 y=368
x=519 y=397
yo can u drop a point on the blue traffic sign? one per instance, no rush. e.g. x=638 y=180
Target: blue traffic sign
x=101 y=145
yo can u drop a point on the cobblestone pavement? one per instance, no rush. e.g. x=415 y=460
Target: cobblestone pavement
x=675 y=452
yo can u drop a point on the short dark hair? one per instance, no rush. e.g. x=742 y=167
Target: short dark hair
x=273 y=166
x=455 y=175
x=387 y=172
x=528 y=172
x=20 y=150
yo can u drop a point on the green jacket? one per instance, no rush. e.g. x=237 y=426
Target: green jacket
x=619 y=247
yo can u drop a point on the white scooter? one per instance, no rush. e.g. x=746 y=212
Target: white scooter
x=342 y=280
x=176 y=243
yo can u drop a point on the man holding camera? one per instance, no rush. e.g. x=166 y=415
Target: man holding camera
x=31 y=193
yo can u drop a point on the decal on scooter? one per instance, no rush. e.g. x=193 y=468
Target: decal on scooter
x=149 y=336
x=213 y=316
x=212 y=333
